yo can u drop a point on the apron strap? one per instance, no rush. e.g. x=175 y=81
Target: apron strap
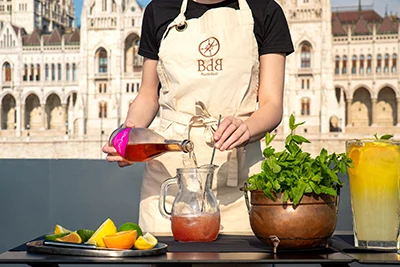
x=179 y=21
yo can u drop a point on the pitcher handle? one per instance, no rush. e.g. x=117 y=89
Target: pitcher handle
x=163 y=194
x=246 y=196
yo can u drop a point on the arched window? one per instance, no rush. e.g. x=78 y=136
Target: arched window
x=386 y=63
x=101 y=55
x=102 y=110
x=59 y=72
x=25 y=77
x=46 y=72
x=305 y=56
x=7 y=72
x=67 y=72
x=37 y=72
x=305 y=106
x=394 y=63
x=344 y=65
x=354 y=64
x=362 y=64
x=337 y=64
x=379 y=63
x=369 y=64
x=53 y=72
x=73 y=71
x=32 y=73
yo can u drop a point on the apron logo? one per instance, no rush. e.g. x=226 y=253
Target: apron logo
x=209 y=48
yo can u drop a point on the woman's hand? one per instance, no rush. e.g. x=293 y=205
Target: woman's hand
x=231 y=133
x=112 y=154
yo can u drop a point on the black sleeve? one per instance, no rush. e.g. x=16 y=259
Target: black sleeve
x=148 y=42
x=276 y=35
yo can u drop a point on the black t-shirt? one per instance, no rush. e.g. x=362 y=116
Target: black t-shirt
x=270 y=26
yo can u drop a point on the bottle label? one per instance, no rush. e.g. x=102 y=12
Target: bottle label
x=120 y=141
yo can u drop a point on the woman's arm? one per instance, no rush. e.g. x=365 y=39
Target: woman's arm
x=145 y=106
x=142 y=110
x=234 y=132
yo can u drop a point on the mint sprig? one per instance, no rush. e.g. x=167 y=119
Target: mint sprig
x=383 y=137
x=294 y=172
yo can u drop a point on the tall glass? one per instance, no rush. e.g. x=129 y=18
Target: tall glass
x=374 y=191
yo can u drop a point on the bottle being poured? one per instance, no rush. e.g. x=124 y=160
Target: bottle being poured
x=143 y=144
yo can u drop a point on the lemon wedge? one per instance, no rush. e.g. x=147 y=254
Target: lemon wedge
x=58 y=229
x=106 y=228
x=147 y=241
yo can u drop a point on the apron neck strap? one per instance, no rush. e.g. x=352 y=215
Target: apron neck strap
x=181 y=19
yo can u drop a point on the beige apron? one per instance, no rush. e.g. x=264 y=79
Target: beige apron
x=207 y=66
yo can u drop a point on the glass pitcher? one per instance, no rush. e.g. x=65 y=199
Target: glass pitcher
x=195 y=215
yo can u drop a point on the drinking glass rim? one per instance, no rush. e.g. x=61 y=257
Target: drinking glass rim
x=372 y=140
x=201 y=168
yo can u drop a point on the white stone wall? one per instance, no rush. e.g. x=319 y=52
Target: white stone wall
x=87 y=132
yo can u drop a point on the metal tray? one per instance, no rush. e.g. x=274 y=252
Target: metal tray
x=38 y=247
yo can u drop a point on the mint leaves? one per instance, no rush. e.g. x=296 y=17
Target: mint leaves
x=294 y=172
x=383 y=137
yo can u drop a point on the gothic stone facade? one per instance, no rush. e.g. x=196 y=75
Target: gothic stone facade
x=63 y=92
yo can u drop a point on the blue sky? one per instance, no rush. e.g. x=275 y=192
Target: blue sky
x=379 y=5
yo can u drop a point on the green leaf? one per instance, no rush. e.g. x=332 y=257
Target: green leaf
x=269 y=138
x=300 y=139
x=268 y=193
x=386 y=137
x=268 y=152
x=315 y=187
x=291 y=122
x=273 y=165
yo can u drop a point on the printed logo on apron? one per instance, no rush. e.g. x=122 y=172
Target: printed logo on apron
x=209 y=48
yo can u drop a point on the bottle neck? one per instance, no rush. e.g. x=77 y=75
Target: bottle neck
x=184 y=146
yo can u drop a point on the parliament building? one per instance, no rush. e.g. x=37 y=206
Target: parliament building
x=64 y=89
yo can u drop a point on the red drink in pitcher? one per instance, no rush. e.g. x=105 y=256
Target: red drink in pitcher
x=196 y=228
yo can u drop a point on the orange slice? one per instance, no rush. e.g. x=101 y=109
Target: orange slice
x=72 y=237
x=121 y=240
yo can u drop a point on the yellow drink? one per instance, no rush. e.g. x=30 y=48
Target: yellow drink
x=374 y=190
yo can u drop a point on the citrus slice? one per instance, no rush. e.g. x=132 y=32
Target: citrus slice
x=85 y=234
x=130 y=226
x=55 y=236
x=58 y=229
x=121 y=240
x=106 y=228
x=72 y=237
x=147 y=241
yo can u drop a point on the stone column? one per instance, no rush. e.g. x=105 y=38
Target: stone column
x=374 y=111
x=349 y=115
x=21 y=121
x=1 y=117
x=398 y=111
x=64 y=107
x=43 y=107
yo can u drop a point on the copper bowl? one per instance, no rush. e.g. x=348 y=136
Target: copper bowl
x=306 y=225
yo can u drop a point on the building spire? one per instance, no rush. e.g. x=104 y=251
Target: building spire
x=359 y=5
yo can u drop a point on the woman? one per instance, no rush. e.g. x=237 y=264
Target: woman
x=210 y=58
